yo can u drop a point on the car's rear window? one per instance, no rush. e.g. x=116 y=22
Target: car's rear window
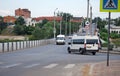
x=78 y=41
x=92 y=41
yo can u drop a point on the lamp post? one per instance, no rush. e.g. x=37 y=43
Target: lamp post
x=70 y=27
x=66 y=26
x=54 y=31
x=87 y=9
x=61 y=23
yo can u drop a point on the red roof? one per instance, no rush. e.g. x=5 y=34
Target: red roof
x=47 y=18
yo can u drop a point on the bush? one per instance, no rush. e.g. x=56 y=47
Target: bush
x=106 y=45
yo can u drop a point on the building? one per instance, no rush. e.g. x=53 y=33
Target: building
x=9 y=19
x=40 y=19
x=30 y=22
x=77 y=19
x=23 y=12
x=114 y=29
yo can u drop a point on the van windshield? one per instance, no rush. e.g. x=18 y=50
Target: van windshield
x=78 y=41
x=60 y=38
x=92 y=41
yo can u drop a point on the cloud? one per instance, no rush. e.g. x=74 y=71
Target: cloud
x=5 y=12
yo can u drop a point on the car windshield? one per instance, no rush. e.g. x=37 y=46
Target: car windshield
x=92 y=41
x=78 y=41
x=60 y=38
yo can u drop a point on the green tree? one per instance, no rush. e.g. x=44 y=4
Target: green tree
x=19 y=30
x=37 y=33
x=100 y=23
x=42 y=23
x=29 y=29
x=117 y=21
x=3 y=25
x=20 y=21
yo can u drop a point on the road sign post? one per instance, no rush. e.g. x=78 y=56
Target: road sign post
x=109 y=6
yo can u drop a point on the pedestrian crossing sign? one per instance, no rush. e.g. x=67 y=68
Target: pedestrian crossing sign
x=109 y=5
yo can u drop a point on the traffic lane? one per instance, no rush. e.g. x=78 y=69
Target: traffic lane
x=44 y=56
x=30 y=54
x=52 y=53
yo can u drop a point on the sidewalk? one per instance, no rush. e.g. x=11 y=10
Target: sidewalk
x=100 y=69
x=111 y=52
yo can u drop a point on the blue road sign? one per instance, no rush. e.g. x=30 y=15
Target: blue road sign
x=110 y=5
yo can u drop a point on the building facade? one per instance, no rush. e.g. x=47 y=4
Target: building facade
x=23 y=12
x=114 y=29
x=9 y=19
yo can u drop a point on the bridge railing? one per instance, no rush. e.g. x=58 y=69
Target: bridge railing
x=18 y=45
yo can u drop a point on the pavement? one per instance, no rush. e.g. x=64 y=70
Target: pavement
x=100 y=69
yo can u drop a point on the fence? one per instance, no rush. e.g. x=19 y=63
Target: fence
x=18 y=45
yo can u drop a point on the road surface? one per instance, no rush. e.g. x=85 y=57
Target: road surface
x=49 y=60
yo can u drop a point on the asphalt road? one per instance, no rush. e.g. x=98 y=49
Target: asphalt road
x=49 y=60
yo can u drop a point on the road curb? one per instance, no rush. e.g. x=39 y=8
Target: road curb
x=111 y=52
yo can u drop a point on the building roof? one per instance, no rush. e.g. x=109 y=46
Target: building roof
x=77 y=19
x=47 y=18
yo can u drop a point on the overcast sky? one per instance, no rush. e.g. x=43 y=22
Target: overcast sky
x=39 y=8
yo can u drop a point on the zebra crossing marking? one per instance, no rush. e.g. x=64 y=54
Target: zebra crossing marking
x=69 y=66
x=50 y=66
x=32 y=65
x=12 y=65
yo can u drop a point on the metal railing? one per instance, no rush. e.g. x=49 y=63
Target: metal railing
x=18 y=45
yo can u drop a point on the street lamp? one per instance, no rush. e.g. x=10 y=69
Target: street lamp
x=54 y=24
x=87 y=9
x=70 y=27
x=66 y=25
x=61 y=15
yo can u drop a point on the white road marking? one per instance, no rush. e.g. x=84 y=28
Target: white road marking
x=91 y=69
x=32 y=65
x=69 y=66
x=50 y=66
x=11 y=65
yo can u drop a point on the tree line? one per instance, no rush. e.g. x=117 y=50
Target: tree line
x=45 y=29
x=41 y=30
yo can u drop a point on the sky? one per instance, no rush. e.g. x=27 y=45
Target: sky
x=78 y=8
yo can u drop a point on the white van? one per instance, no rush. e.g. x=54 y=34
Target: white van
x=60 y=39
x=84 y=44
x=92 y=44
x=76 y=44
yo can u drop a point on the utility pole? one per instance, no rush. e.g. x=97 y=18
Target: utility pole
x=70 y=27
x=66 y=26
x=61 y=22
x=91 y=21
x=87 y=9
x=54 y=31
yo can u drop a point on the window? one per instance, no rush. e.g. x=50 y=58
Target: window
x=78 y=41
x=92 y=41
x=60 y=38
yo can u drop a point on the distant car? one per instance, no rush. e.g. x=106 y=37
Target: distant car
x=60 y=39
